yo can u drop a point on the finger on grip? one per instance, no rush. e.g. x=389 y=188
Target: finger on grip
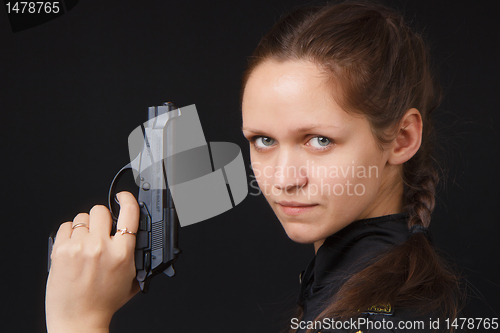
x=100 y=221
x=127 y=219
x=64 y=232
x=81 y=225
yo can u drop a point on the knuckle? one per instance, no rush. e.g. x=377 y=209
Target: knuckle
x=64 y=226
x=121 y=257
x=99 y=208
x=81 y=216
x=56 y=253
x=66 y=251
x=75 y=250
x=84 y=254
x=94 y=250
x=129 y=210
x=67 y=223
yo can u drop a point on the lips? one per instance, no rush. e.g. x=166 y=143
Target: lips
x=294 y=208
x=294 y=204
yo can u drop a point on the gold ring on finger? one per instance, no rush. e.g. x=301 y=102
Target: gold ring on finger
x=125 y=231
x=78 y=225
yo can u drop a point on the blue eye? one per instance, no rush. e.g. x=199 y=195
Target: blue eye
x=263 y=141
x=320 y=142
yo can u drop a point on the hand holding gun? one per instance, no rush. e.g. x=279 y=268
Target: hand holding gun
x=92 y=273
x=99 y=261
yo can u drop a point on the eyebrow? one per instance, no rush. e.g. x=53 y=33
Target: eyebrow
x=300 y=129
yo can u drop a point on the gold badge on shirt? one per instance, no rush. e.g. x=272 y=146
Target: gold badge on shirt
x=385 y=309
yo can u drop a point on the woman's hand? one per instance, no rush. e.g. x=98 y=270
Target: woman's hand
x=92 y=274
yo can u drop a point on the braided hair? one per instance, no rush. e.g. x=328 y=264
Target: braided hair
x=381 y=69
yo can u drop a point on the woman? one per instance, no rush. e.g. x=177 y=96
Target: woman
x=336 y=105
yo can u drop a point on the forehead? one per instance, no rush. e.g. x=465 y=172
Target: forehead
x=291 y=94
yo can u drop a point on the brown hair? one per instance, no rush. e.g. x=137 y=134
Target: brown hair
x=381 y=69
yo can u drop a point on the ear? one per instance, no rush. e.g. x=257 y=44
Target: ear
x=408 y=139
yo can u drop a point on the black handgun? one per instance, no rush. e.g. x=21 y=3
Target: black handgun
x=157 y=237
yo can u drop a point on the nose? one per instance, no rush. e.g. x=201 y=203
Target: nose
x=290 y=171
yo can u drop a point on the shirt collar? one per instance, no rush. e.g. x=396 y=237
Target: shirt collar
x=352 y=249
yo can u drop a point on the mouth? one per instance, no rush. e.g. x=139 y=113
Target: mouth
x=293 y=208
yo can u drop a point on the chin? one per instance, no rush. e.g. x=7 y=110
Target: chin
x=302 y=233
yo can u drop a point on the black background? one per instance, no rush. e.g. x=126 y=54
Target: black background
x=72 y=89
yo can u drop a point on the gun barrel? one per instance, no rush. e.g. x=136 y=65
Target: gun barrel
x=157 y=241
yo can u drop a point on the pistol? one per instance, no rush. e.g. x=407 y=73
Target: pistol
x=156 y=247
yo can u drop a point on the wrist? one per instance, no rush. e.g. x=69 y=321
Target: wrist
x=84 y=324
x=65 y=328
x=73 y=329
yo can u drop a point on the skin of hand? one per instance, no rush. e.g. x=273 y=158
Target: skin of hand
x=92 y=274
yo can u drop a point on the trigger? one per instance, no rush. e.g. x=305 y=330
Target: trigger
x=169 y=271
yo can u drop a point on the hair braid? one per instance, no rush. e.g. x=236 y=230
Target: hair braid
x=379 y=68
x=420 y=179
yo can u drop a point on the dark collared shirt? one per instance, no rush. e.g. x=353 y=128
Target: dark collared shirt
x=346 y=253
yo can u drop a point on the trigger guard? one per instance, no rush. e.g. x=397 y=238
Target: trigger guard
x=112 y=194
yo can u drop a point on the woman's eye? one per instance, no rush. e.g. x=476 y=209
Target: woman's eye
x=320 y=142
x=263 y=141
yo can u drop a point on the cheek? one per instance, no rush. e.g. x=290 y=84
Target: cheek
x=346 y=180
x=263 y=174
x=370 y=169
x=350 y=182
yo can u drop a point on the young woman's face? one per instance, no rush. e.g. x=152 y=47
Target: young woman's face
x=318 y=167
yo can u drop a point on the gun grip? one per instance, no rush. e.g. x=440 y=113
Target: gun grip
x=169 y=271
